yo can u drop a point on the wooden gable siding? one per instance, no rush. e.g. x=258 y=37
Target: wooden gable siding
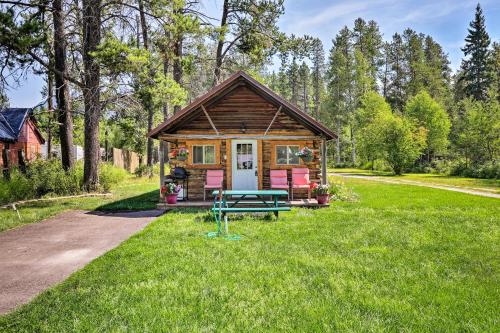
x=243 y=106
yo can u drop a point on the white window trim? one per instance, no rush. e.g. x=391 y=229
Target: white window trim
x=203 y=154
x=287 y=154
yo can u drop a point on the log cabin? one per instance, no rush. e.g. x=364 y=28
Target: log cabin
x=245 y=129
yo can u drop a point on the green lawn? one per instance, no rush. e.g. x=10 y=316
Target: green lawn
x=403 y=258
x=490 y=185
x=132 y=194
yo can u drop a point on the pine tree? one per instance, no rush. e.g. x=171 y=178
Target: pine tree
x=476 y=65
x=397 y=78
x=368 y=39
x=340 y=79
x=437 y=72
x=495 y=56
x=304 y=85
x=415 y=62
x=318 y=63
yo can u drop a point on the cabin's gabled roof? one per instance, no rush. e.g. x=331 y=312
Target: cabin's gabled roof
x=12 y=121
x=293 y=111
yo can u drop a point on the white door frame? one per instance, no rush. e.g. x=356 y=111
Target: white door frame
x=244 y=179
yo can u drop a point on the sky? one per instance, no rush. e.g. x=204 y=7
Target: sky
x=445 y=20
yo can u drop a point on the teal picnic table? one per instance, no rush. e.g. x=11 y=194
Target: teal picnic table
x=246 y=201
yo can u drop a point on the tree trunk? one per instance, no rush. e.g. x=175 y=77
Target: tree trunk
x=64 y=117
x=220 y=43
x=148 y=106
x=91 y=92
x=50 y=107
x=337 y=142
x=163 y=145
x=353 y=146
x=177 y=68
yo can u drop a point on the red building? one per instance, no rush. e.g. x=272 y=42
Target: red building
x=18 y=131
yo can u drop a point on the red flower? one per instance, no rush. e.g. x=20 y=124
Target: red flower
x=163 y=189
x=313 y=185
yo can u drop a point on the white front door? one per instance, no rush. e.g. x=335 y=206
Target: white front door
x=244 y=164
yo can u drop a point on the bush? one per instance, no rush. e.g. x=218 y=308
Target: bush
x=149 y=171
x=488 y=170
x=48 y=178
x=17 y=188
x=341 y=192
x=110 y=175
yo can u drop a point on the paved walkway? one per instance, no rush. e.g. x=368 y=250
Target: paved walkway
x=484 y=193
x=37 y=256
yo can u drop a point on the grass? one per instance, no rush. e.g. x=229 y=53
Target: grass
x=132 y=194
x=403 y=258
x=489 y=185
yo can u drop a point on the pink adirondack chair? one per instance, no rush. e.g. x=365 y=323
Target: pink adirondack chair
x=214 y=181
x=300 y=179
x=279 y=180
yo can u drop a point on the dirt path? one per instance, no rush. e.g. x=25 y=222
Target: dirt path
x=37 y=256
x=417 y=183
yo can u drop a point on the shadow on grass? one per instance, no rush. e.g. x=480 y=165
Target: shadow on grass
x=144 y=201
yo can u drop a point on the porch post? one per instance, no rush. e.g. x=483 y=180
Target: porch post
x=324 y=178
x=161 y=157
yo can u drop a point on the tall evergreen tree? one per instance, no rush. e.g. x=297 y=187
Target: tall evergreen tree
x=340 y=77
x=318 y=63
x=414 y=61
x=476 y=66
x=397 y=78
x=304 y=85
x=368 y=40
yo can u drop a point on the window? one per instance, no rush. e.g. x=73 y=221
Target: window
x=286 y=154
x=204 y=154
x=244 y=156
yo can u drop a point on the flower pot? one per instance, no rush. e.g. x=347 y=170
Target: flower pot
x=322 y=198
x=181 y=158
x=307 y=158
x=171 y=198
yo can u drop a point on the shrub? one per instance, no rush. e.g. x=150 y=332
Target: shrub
x=110 y=175
x=341 y=192
x=47 y=177
x=17 y=188
x=149 y=171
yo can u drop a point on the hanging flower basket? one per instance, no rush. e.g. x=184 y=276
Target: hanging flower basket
x=182 y=154
x=305 y=154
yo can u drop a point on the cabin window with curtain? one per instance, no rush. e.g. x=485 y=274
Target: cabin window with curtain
x=287 y=154
x=204 y=154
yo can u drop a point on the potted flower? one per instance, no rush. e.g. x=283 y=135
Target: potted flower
x=322 y=192
x=305 y=154
x=170 y=192
x=182 y=154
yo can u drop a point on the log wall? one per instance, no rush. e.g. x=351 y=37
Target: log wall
x=266 y=163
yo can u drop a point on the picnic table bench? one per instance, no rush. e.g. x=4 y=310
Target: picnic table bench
x=236 y=201
x=238 y=204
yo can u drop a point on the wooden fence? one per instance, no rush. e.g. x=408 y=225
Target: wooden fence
x=125 y=159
